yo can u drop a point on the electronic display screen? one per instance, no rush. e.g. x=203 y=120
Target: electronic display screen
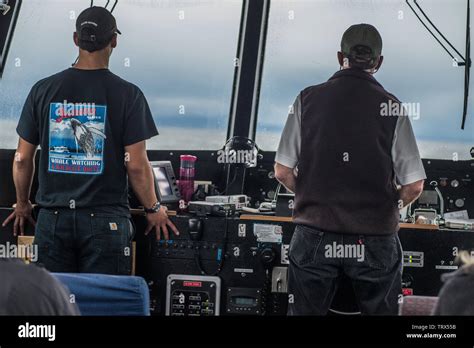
x=428 y=197
x=165 y=182
x=162 y=182
x=244 y=301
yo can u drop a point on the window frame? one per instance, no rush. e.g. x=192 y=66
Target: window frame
x=15 y=11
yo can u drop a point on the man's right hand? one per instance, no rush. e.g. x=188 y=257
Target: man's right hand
x=21 y=215
x=160 y=222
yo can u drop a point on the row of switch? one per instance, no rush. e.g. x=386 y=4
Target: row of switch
x=186 y=245
x=204 y=311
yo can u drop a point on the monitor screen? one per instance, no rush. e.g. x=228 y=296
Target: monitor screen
x=165 y=182
x=428 y=197
x=162 y=181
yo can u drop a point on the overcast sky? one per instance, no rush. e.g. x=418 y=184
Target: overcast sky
x=302 y=52
x=189 y=61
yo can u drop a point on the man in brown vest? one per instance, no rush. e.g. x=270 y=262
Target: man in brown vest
x=352 y=160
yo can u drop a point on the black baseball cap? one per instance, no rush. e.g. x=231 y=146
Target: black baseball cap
x=362 y=38
x=95 y=27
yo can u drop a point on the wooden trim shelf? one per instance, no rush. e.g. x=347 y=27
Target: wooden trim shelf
x=419 y=226
x=266 y=218
x=290 y=219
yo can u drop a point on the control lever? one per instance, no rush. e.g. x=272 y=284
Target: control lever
x=280 y=280
x=434 y=185
x=278 y=284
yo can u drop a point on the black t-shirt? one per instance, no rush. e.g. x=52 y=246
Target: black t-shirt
x=83 y=119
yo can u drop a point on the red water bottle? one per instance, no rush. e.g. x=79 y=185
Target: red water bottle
x=186 y=176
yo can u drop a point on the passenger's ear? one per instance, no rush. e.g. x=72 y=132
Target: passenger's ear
x=379 y=64
x=114 y=41
x=340 y=58
x=75 y=37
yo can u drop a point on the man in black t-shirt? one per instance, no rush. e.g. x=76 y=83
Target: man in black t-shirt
x=92 y=127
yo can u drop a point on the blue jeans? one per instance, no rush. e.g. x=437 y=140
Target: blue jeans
x=84 y=241
x=319 y=259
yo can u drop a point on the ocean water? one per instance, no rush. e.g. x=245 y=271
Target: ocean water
x=172 y=138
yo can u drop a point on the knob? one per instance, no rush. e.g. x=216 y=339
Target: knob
x=459 y=203
x=407 y=281
x=267 y=256
x=454 y=183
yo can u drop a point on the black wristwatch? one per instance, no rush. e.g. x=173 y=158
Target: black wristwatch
x=154 y=209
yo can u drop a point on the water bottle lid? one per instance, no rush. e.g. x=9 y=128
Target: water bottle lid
x=188 y=161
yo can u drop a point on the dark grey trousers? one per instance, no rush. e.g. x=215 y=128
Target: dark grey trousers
x=319 y=259
x=84 y=241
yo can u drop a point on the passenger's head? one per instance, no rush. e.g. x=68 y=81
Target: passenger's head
x=96 y=32
x=361 y=48
x=466 y=259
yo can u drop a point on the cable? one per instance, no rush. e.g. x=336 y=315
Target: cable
x=277 y=192
x=197 y=257
x=230 y=182
x=441 y=201
x=113 y=7
x=421 y=21
x=344 y=313
x=466 y=60
x=434 y=26
x=220 y=265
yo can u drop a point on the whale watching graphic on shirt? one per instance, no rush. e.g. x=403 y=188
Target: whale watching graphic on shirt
x=77 y=138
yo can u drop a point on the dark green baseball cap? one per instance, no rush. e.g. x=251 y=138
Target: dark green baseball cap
x=362 y=35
